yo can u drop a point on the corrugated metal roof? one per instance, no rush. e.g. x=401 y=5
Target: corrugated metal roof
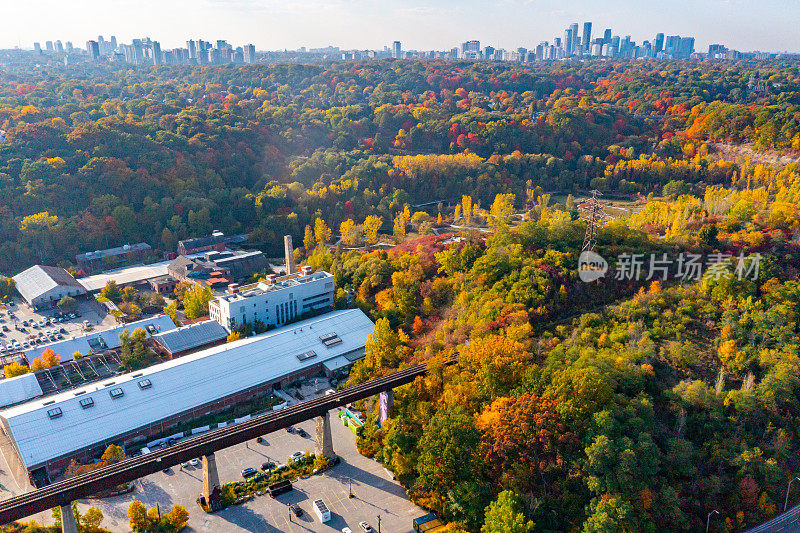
x=19 y=389
x=39 y=279
x=89 y=343
x=177 y=386
x=192 y=336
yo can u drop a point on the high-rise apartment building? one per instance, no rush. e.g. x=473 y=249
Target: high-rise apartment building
x=397 y=51
x=249 y=53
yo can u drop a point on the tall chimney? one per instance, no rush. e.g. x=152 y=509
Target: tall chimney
x=291 y=268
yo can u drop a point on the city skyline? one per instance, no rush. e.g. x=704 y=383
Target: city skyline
x=419 y=25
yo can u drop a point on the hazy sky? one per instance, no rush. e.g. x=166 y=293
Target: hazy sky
x=276 y=24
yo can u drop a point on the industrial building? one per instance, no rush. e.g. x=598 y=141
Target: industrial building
x=217 y=268
x=186 y=339
x=101 y=341
x=43 y=286
x=215 y=242
x=43 y=436
x=274 y=301
x=113 y=257
x=19 y=389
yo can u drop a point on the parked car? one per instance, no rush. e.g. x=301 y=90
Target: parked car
x=167 y=470
x=259 y=439
x=290 y=429
x=347 y=530
x=185 y=464
x=366 y=528
x=296 y=510
x=268 y=466
x=296 y=456
x=195 y=462
x=73 y=315
x=248 y=472
x=302 y=433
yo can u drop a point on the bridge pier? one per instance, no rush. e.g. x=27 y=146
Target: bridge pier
x=385 y=404
x=68 y=524
x=324 y=437
x=212 y=491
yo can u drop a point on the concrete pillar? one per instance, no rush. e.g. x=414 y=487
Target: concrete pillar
x=324 y=438
x=288 y=250
x=68 y=524
x=385 y=404
x=211 y=487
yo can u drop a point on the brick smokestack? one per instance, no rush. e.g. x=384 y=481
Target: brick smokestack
x=291 y=268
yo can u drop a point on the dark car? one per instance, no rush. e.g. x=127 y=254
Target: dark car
x=290 y=429
x=167 y=470
x=259 y=439
x=296 y=510
x=248 y=472
x=268 y=466
x=302 y=433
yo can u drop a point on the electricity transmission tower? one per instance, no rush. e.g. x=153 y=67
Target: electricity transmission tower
x=595 y=216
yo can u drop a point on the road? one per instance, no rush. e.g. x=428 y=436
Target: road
x=788 y=522
x=376 y=492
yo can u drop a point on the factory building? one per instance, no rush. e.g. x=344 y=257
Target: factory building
x=40 y=438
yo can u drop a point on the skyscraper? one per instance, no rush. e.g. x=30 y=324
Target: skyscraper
x=93 y=48
x=575 y=36
x=397 y=50
x=190 y=44
x=607 y=36
x=157 y=57
x=249 y=54
x=659 y=44
x=37 y=47
x=586 y=42
x=568 y=42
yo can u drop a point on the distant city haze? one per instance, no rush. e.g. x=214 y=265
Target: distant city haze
x=767 y=25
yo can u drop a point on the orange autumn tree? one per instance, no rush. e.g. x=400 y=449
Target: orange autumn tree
x=525 y=442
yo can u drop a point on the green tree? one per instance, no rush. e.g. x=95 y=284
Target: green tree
x=111 y=291
x=505 y=515
x=447 y=456
x=195 y=302
x=113 y=454
x=91 y=519
x=137 y=516
x=67 y=304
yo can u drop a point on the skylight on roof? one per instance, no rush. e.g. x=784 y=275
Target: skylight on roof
x=86 y=402
x=116 y=393
x=145 y=384
x=330 y=340
x=55 y=413
x=306 y=355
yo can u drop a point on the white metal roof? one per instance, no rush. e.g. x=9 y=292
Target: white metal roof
x=178 y=385
x=125 y=276
x=192 y=336
x=89 y=343
x=39 y=279
x=19 y=389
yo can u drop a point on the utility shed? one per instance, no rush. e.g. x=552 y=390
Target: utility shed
x=45 y=434
x=185 y=339
x=43 y=286
x=19 y=389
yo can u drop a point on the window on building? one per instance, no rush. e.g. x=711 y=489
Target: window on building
x=86 y=403
x=55 y=412
x=116 y=393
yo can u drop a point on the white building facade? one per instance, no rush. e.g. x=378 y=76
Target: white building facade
x=274 y=301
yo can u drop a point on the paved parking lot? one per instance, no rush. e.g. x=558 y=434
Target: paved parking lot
x=376 y=493
x=19 y=312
